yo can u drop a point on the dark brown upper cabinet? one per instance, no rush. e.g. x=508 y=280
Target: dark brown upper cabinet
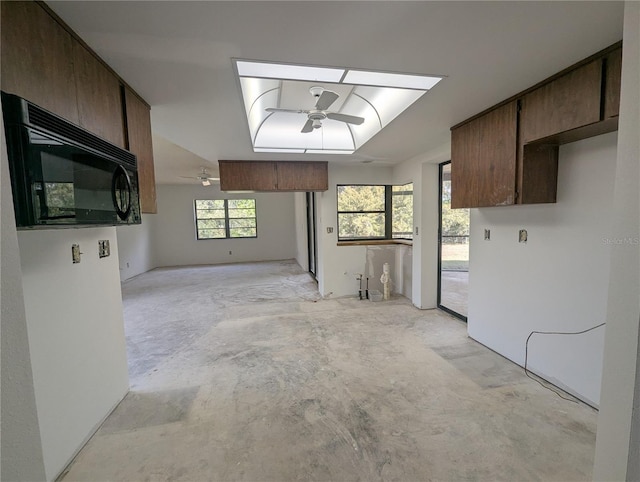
x=302 y=176
x=99 y=97
x=139 y=142
x=509 y=153
x=613 y=75
x=37 y=59
x=464 y=165
x=273 y=176
x=248 y=175
x=567 y=103
x=483 y=159
x=45 y=62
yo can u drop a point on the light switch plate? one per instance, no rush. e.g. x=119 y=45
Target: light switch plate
x=487 y=234
x=104 y=248
x=75 y=253
x=329 y=230
x=522 y=236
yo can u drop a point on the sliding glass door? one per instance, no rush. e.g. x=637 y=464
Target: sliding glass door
x=453 y=251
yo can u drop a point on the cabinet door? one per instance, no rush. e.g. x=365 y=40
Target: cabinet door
x=612 y=80
x=139 y=135
x=497 y=156
x=99 y=97
x=464 y=166
x=566 y=103
x=37 y=58
x=248 y=175
x=302 y=176
x=483 y=160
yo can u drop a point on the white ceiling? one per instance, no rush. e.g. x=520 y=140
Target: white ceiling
x=177 y=55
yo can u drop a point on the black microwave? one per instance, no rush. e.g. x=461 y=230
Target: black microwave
x=63 y=175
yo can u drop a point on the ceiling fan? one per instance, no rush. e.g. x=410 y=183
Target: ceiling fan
x=324 y=99
x=203 y=177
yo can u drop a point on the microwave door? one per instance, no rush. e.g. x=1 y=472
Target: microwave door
x=92 y=179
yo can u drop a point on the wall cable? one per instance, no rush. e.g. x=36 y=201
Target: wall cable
x=526 y=356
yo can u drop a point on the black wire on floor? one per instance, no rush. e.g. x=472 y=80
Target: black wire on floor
x=526 y=355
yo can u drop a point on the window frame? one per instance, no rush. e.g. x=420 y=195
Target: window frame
x=402 y=193
x=387 y=212
x=227 y=227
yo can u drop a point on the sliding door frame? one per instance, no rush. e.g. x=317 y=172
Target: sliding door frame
x=312 y=240
x=440 y=306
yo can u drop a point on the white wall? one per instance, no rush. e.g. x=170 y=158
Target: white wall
x=137 y=247
x=618 y=437
x=557 y=281
x=302 y=251
x=403 y=274
x=423 y=172
x=175 y=235
x=21 y=450
x=76 y=335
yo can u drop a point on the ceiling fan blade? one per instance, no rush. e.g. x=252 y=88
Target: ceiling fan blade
x=349 y=119
x=308 y=126
x=189 y=177
x=213 y=178
x=293 y=111
x=326 y=99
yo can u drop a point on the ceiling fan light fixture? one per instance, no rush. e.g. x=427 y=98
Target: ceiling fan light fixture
x=316 y=124
x=206 y=182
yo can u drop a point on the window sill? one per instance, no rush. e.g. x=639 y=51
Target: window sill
x=375 y=242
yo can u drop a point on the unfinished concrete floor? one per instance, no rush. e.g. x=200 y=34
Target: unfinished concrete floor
x=455 y=291
x=240 y=372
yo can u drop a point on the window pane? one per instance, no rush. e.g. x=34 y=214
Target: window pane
x=242 y=203
x=403 y=187
x=211 y=233
x=243 y=232
x=360 y=198
x=211 y=224
x=210 y=204
x=242 y=223
x=210 y=213
x=356 y=225
x=242 y=213
x=402 y=211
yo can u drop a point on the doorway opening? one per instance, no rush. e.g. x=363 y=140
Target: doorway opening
x=453 y=251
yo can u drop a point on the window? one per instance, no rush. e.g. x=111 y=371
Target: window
x=225 y=218
x=402 y=211
x=375 y=212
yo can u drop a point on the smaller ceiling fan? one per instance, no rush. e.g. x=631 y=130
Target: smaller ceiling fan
x=203 y=177
x=315 y=116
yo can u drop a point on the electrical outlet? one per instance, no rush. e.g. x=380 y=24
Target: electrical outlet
x=487 y=234
x=329 y=230
x=416 y=230
x=230 y=253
